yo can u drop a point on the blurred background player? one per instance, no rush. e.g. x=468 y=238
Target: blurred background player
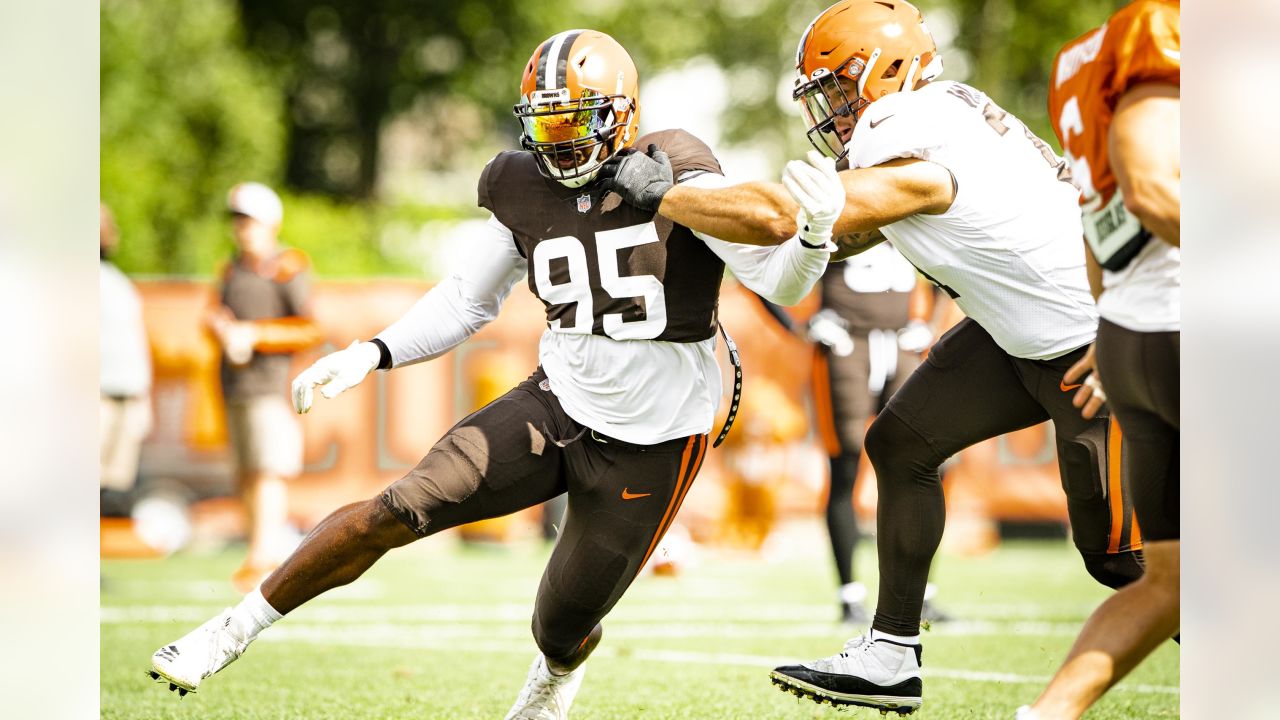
x=261 y=317
x=617 y=412
x=869 y=332
x=986 y=211
x=1115 y=100
x=125 y=375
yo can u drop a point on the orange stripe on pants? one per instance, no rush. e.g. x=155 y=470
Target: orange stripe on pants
x=673 y=504
x=1114 y=486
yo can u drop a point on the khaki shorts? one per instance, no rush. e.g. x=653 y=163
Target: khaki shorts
x=265 y=435
x=123 y=423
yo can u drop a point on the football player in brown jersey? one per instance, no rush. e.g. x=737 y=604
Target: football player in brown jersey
x=616 y=414
x=1115 y=97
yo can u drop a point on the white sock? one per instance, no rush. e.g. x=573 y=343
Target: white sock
x=1026 y=713
x=854 y=592
x=903 y=639
x=254 y=614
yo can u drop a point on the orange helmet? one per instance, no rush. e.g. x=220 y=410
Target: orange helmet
x=882 y=45
x=579 y=104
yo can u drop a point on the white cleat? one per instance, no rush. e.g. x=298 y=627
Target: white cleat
x=546 y=696
x=199 y=654
x=879 y=674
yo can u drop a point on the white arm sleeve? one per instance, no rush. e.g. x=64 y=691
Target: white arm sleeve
x=462 y=303
x=781 y=274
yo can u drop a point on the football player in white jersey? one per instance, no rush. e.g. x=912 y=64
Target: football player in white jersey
x=985 y=210
x=1115 y=97
x=617 y=413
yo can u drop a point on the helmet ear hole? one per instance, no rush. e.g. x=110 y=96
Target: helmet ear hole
x=892 y=70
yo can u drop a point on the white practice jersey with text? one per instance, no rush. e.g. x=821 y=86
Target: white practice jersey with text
x=1009 y=249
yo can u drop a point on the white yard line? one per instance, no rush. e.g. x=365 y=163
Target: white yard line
x=503 y=628
x=403 y=639
x=520 y=612
x=468 y=621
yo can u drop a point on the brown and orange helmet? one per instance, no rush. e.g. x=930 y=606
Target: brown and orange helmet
x=877 y=46
x=579 y=104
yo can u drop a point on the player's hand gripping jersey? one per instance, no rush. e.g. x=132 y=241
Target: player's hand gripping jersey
x=630 y=297
x=1008 y=249
x=1141 y=43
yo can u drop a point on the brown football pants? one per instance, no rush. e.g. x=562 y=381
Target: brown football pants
x=522 y=450
x=1140 y=372
x=966 y=391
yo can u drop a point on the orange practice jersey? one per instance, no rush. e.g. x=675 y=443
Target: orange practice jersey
x=1141 y=43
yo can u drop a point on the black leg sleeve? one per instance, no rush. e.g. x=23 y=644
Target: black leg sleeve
x=910 y=520
x=842 y=523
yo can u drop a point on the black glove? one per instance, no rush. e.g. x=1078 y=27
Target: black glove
x=640 y=179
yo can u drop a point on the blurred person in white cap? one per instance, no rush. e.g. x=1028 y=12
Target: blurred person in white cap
x=260 y=318
x=125 y=375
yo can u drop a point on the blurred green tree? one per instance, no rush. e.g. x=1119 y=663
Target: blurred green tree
x=1010 y=47
x=334 y=98
x=349 y=67
x=185 y=114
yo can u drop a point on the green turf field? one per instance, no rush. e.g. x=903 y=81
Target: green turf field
x=441 y=631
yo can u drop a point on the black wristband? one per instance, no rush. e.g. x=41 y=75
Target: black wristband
x=384 y=354
x=819 y=246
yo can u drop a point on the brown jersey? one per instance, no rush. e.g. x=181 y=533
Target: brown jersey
x=282 y=292
x=602 y=266
x=870 y=290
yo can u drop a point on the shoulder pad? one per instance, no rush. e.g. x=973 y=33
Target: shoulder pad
x=491 y=174
x=686 y=151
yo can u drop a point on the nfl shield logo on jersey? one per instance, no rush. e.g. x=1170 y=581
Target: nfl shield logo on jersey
x=584 y=203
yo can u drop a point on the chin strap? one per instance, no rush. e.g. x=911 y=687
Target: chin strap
x=737 y=385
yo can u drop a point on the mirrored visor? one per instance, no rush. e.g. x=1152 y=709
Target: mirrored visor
x=556 y=126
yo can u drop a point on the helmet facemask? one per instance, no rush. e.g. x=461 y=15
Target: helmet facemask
x=572 y=137
x=823 y=99
x=854 y=53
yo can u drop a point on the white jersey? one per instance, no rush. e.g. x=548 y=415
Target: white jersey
x=1009 y=249
x=124 y=356
x=639 y=391
x=1146 y=295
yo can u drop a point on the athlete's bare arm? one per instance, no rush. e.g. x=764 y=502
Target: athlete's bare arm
x=755 y=213
x=1146 y=158
x=888 y=192
x=764 y=213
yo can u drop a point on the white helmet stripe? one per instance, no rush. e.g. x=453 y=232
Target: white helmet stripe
x=553 y=58
x=908 y=81
x=866 y=71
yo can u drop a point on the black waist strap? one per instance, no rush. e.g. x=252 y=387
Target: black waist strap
x=737 y=385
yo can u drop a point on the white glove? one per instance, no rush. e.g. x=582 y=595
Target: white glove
x=828 y=328
x=915 y=337
x=335 y=373
x=817 y=187
x=237 y=342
